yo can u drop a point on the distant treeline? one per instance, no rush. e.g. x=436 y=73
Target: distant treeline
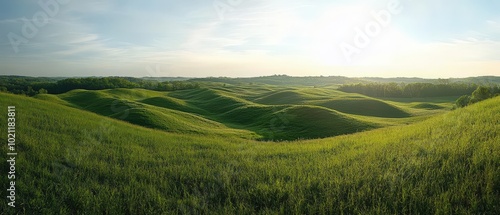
x=31 y=86
x=283 y=80
x=411 y=90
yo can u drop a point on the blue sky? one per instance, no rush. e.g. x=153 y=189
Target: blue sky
x=243 y=38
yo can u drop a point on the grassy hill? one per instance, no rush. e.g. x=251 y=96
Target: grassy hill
x=296 y=122
x=222 y=111
x=257 y=112
x=365 y=106
x=72 y=161
x=282 y=97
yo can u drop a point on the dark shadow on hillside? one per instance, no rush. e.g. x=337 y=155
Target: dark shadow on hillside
x=366 y=107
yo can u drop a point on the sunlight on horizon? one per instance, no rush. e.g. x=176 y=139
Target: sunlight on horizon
x=254 y=38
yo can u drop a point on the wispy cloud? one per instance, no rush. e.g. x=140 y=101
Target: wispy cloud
x=257 y=37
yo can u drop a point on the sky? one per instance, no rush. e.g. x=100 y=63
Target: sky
x=248 y=38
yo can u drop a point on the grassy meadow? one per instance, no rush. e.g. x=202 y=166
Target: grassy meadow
x=252 y=150
x=251 y=112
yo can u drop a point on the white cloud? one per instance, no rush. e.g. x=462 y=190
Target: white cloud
x=257 y=38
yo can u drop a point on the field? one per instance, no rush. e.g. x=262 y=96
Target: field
x=252 y=112
x=246 y=149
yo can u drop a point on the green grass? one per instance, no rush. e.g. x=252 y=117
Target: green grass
x=53 y=99
x=141 y=109
x=366 y=107
x=428 y=106
x=222 y=111
x=72 y=161
x=282 y=97
x=170 y=103
x=295 y=122
x=254 y=112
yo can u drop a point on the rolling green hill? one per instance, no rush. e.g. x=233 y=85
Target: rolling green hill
x=296 y=122
x=282 y=97
x=428 y=106
x=71 y=161
x=365 y=106
x=258 y=112
x=219 y=111
x=145 y=108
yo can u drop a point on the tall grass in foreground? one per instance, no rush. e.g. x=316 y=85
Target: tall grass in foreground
x=71 y=161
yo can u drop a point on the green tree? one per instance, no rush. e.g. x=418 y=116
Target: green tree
x=463 y=101
x=30 y=91
x=42 y=91
x=480 y=94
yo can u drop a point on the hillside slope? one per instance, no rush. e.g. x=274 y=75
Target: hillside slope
x=365 y=106
x=147 y=108
x=71 y=161
x=210 y=111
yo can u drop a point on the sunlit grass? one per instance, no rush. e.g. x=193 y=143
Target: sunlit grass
x=73 y=161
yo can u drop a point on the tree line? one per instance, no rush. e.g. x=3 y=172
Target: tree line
x=409 y=90
x=31 y=86
x=480 y=94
